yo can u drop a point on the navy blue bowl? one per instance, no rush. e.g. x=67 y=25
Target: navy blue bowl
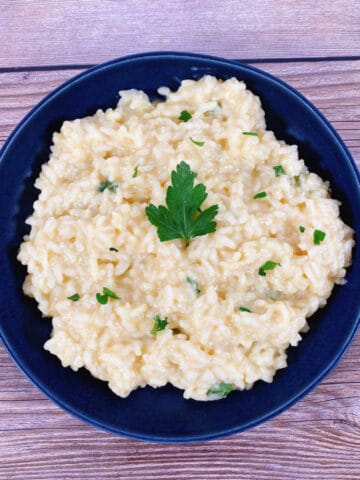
x=162 y=414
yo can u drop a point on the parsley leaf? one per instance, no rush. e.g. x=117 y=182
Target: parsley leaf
x=180 y=218
x=107 y=185
x=109 y=293
x=104 y=297
x=197 y=142
x=194 y=284
x=113 y=249
x=278 y=169
x=269 y=265
x=244 y=309
x=184 y=116
x=302 y=229
x=159 y=324
x=74 y=298
x=253 y=134
x=221 y=390
x=135 y=173
x=260 y=195
x=318 y=237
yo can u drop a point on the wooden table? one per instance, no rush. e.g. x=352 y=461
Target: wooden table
x=314 y=46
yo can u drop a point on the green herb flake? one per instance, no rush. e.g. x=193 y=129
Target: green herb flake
x=180 y=218
x=197 y=142
x=135 y=173
x=221 y=390
x=244 y=309
x=107 y=185
x=278 y=169
x=302 y=229
x=109 y=293
x=159 y=324
x=260 y=195
x=252 y=134
x=184 y=116
x=194 y=284
x=74 y=298
x=269 y=265
x=113 y=249
x=104 y=297
x=318 y=237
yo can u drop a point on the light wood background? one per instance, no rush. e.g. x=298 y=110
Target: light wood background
x=315 y=46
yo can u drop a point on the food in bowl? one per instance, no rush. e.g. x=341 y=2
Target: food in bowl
x=180 y=242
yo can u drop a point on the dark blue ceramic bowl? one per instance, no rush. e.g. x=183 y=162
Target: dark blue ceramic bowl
x=163 y=415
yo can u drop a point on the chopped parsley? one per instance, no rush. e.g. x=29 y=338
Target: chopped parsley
x=113 y=249
x=197 y=142
x=253 y=134
x=194 y=284
x=260 y=195
x=184 y=116
x=135 y=172
x=110 y=293
x=107 y=185
x=244 y=309
x=269 y=265
x=104 y=297
x=302 y=229
x=74 y=298
x=278 y=169
x=180 y=218
x=159 y=324
x=221 y=390
x=318 y=237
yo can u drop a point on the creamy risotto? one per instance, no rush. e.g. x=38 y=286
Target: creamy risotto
x=209 y=318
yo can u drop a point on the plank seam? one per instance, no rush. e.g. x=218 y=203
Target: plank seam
x=81 y=66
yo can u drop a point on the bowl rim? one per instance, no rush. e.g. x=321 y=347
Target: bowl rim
x=309 y=385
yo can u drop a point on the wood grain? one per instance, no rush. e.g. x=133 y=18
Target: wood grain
x=41 y=32
x=318 y=438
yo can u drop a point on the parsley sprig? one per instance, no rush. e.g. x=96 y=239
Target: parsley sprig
x=318 y=236
x=244 y=309
x=184 y=116
x=107 y=185
x=260 y=195
x=159 y=324
x=181 y=217
x=107 y=293
x=74 y=298
x=279 y=170
x=269 y=265
x=221 y=390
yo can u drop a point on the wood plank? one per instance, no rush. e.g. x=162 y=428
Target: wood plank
x=72 y=32
x=317 y=438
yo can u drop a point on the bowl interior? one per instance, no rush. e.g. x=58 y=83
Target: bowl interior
x=163 y=414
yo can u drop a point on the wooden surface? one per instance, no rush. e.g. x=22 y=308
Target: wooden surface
x=319 y=438
x=54 y=32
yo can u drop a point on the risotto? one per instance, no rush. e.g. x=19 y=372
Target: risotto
x=211 y=317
